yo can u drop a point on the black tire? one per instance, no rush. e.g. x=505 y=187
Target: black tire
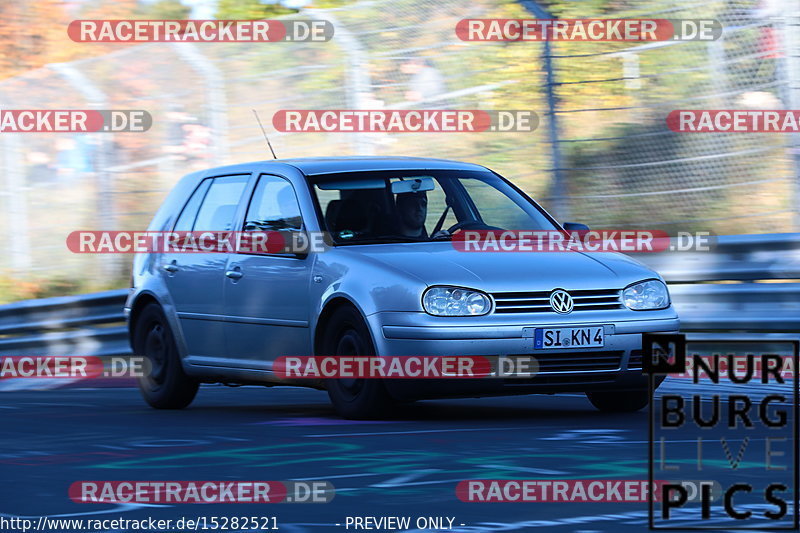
x=628 y=401
x=347 y=334
x=164 y=384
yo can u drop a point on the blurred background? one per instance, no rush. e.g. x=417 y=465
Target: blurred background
x=602 y=154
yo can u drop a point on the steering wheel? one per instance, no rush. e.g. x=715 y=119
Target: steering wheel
x=464 y=224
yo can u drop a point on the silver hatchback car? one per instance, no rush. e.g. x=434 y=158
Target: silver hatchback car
x=388 y=282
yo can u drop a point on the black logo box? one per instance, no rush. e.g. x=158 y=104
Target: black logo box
x=667 y=353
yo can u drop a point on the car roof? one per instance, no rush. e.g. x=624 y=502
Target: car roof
x=324 y=165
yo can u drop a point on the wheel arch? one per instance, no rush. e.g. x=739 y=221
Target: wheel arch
x=142 y=301
x=328 y=310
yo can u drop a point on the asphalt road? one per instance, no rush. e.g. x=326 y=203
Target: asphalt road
x=408 y=465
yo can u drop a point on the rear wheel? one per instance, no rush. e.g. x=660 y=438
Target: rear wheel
x=619 y=401
x=347 y=334
x=164 y=385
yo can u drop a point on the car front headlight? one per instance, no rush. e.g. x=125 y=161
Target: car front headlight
x=455 y=301
x=651 y=294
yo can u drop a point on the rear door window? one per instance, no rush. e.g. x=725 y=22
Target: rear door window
x=189 y=213
x=220 y=204
x=274 y=206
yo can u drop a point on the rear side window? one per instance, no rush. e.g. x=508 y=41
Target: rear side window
x=274 y=206
x=220 y=204
x=189 y=213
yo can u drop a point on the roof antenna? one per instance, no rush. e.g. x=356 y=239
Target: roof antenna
x=265 y=135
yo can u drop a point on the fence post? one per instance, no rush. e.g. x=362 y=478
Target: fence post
x=217 y=102
x=719 y=70
x=791 y=26
x=358 y=85
x=96 y=99
x=560 y=204
x=17 y=204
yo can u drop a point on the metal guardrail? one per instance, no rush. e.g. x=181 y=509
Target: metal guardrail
x=747 y=283
x=88 y=324
x=744 y=258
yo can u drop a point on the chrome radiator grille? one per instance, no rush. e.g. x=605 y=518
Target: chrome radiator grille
x=539 y=301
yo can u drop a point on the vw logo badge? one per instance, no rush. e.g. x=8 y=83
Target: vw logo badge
x=561 y=301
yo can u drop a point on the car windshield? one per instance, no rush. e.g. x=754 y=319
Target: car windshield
x=420 y=205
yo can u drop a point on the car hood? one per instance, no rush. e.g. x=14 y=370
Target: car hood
x=439 y=263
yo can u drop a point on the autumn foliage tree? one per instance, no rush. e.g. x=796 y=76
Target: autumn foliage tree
x=33 y=33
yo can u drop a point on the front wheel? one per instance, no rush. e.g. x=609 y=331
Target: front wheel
x=619 y=401
x=164 y=385
x=347 y=334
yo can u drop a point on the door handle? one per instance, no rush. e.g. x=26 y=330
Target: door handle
x=234 y=274
x=171 y=267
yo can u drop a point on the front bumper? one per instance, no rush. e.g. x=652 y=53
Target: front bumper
x=406 y=334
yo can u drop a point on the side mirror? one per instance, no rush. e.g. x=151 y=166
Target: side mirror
x=575 y=226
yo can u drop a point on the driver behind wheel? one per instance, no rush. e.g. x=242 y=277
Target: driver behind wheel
x=412 y=209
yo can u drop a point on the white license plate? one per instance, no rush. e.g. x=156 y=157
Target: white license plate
x=586 y=337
